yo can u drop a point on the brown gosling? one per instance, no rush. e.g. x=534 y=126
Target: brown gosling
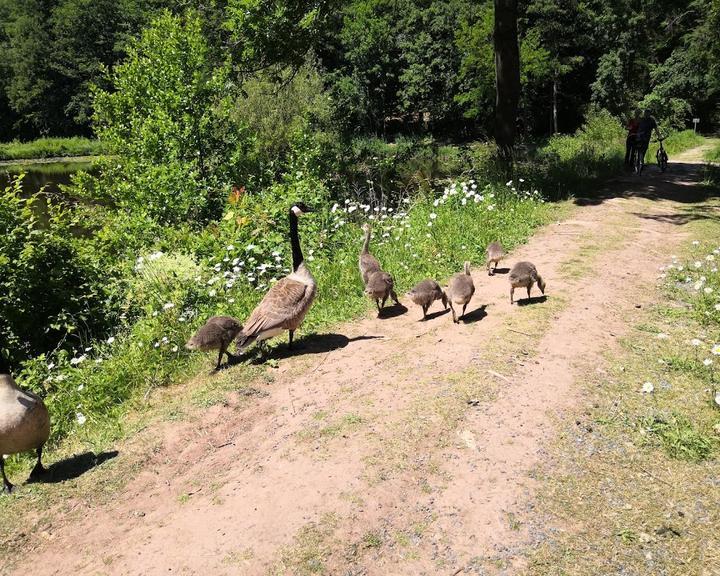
x=495 y=253
x=524 y=275
x=379 y=287
x=287 y=302
x=460 y=291
x=425 y=293
x=367 y=262
x=24 y=425
x=216 y=334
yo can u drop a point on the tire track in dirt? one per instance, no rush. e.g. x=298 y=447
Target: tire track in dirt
x=372 y=437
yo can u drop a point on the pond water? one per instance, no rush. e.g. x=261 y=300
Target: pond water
x=47 y=175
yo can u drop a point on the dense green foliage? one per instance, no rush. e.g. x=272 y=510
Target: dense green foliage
x=50 y=148
x=388 y=66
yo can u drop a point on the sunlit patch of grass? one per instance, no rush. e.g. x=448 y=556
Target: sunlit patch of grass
x=677 y=435
x=312 y=546
x=327 y=427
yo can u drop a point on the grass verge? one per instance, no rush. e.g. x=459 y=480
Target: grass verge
x=631 y=488
x=50 y=148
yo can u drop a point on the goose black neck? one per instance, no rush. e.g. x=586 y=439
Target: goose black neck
x=297 y=254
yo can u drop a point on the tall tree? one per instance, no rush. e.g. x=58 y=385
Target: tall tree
x=507 y=73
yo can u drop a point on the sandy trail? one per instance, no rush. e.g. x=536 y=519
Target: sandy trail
x=399 y=446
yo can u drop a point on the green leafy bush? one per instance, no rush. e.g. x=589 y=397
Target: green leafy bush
x=51 y=290
x=563 y=164
x=169 y=121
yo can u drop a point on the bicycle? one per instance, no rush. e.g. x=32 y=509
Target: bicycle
x=661 y=156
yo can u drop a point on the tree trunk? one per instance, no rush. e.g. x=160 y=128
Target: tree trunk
x=507 y=74
x=554 y=106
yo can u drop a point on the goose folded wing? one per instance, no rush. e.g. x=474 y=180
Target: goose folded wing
x=280 y=305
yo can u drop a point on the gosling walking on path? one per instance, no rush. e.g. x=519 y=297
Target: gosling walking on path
x=425 y=293
x=460 y=291
x=216 y=334
x=524 y=275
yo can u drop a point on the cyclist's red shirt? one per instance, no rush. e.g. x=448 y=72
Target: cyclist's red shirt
x=632 y=126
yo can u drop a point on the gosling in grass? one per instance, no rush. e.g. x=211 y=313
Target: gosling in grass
x=460 y=291
x=495 y=253
x=380 y=287
x=425 y=293
x=24 y=425
x=524 y=275
x=216 y=334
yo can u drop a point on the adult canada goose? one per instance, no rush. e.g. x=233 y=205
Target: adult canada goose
x=24 y=425
x=495 y=253
x=460 y=291
x=288 y=300
x=425 y=293
x=368 y=262
x=216 y=334
x=524 y=275
x=379 y=287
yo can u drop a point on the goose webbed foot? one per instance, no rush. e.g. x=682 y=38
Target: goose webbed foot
x=7 y=486
x=39 y=470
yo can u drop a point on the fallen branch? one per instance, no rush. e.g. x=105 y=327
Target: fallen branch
x=498 y=375
x=519 y=332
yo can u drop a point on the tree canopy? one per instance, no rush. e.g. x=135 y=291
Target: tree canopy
x=387 y=65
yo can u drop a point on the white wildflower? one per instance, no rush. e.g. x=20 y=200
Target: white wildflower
x=696 y=342
x=707 y=362
x=648 y=387
x=168 y=306
x=80 y=418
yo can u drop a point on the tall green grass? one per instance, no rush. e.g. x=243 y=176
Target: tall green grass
x=713 y=155
x=50 y=148
x=677 y=142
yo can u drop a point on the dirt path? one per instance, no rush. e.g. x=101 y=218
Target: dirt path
x=394 y=446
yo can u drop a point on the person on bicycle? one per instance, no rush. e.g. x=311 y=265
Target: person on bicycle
x=632 y=128
x=645 y=127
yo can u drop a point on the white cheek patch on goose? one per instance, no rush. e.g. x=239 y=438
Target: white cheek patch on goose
x=297 y=210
